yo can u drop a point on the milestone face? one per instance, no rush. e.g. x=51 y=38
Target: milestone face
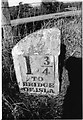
x=36 y=62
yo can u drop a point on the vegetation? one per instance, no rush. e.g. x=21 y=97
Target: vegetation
x=27 y=10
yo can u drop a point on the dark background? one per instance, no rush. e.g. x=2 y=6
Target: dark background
x=73 y=100
x=72 y=106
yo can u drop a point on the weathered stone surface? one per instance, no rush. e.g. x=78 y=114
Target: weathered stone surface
x=36 y=62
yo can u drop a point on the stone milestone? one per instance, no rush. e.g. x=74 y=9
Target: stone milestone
x=35 y=60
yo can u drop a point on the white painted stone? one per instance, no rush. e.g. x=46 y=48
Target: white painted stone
x=36 y=62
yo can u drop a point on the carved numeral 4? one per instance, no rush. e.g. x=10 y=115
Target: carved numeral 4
x=46 y=72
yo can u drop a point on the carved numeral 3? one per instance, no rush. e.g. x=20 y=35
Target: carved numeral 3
x=47 y=62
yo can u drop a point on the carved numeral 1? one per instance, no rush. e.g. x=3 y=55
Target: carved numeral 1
x=28 y=65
